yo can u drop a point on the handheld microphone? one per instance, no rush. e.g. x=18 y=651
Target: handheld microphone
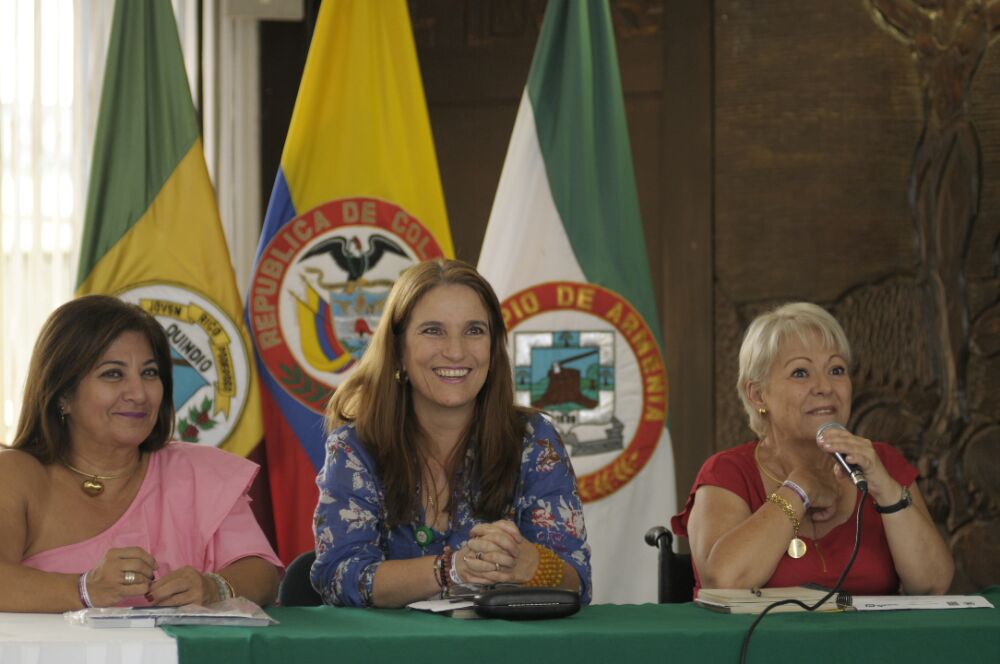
x=853 y=470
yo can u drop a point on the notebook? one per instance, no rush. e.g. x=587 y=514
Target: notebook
x=744 y=600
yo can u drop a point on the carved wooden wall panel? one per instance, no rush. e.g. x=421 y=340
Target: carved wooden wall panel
x=858 y=166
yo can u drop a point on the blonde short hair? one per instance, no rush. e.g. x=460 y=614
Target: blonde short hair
x=763 y=338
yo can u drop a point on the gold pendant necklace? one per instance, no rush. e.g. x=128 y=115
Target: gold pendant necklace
x=797 y=547
x=763 y=469
x=94 y=484
x=815 y=543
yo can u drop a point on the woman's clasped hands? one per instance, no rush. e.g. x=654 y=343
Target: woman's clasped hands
x=496 y=553
x=120 y=573
x=131 y=571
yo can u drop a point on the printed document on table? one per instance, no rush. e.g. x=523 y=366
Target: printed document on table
x=909 y=602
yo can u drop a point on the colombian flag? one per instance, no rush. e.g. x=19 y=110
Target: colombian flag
x=152 y=233
x=356 y=200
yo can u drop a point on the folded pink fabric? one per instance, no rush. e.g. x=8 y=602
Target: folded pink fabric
x=192 y=509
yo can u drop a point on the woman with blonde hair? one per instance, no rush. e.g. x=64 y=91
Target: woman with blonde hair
x=433 y=476
x=779 y=511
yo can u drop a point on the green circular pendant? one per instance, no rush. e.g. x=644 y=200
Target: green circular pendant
x=424 y=536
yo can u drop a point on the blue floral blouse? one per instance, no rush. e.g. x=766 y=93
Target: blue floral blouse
x=351 y=534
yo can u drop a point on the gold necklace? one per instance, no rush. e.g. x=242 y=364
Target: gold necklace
x=432 y=492
x=756 y=457
x=819 y=551
x=94 y=484
x=796 y=548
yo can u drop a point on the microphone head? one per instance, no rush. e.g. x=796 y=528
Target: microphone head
x=827 y=426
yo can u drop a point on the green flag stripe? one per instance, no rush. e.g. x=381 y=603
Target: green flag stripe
x=146 y=125
x=575 y=92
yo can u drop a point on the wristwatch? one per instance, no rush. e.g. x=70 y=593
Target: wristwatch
x=905 y=501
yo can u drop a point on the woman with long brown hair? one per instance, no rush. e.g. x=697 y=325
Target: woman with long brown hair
x=433 y=476
x=98 y=506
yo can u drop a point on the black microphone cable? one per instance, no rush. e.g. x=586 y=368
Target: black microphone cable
x=831 y=593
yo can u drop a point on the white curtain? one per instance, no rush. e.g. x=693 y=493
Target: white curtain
x=53 y=62
x=231 y=129
x=53 y=56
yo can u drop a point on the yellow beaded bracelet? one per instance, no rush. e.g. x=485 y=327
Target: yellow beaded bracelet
x=549 y=573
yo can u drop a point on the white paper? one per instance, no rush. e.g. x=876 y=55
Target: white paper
x=904 y=602
x=441 y=605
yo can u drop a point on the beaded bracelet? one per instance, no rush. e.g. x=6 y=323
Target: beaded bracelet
x=447 y=567
x=81 y=586
x=439 y=573
x=549 y=573
x=222 y=586
x=798 y=491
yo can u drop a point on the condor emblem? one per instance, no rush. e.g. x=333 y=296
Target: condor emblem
x=586 y=357
x=320 y=286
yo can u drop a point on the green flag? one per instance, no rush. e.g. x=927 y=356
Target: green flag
x=565 y=252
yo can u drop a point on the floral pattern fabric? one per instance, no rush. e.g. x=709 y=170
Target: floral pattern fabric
x=352 y=538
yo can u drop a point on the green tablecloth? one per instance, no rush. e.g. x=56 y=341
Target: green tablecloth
x=604 y=633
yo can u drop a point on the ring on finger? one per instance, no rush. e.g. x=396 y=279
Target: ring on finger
x=497 y=566
x=129 y=577
x=479 y=556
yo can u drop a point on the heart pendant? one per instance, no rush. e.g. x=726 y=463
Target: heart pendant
x=93 y=487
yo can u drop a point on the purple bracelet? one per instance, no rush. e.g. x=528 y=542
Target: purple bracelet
x=81 y=586
x=798 y=491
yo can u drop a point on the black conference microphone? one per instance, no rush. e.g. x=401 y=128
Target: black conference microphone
x=850 y=468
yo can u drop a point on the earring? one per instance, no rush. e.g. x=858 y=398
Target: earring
x=62 y=415
x=401 y=377
x=762 y=411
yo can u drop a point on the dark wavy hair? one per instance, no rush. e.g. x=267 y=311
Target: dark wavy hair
x=69 y=346
x=381 y=407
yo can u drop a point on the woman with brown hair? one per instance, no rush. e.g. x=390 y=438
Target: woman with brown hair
x=98 y=507
x=433 y=476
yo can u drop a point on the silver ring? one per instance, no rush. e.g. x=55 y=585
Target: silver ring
x=129 y=577
x=498 y=566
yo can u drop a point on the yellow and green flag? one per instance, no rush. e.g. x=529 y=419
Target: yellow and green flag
x=356 y=200
x=152 y=233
